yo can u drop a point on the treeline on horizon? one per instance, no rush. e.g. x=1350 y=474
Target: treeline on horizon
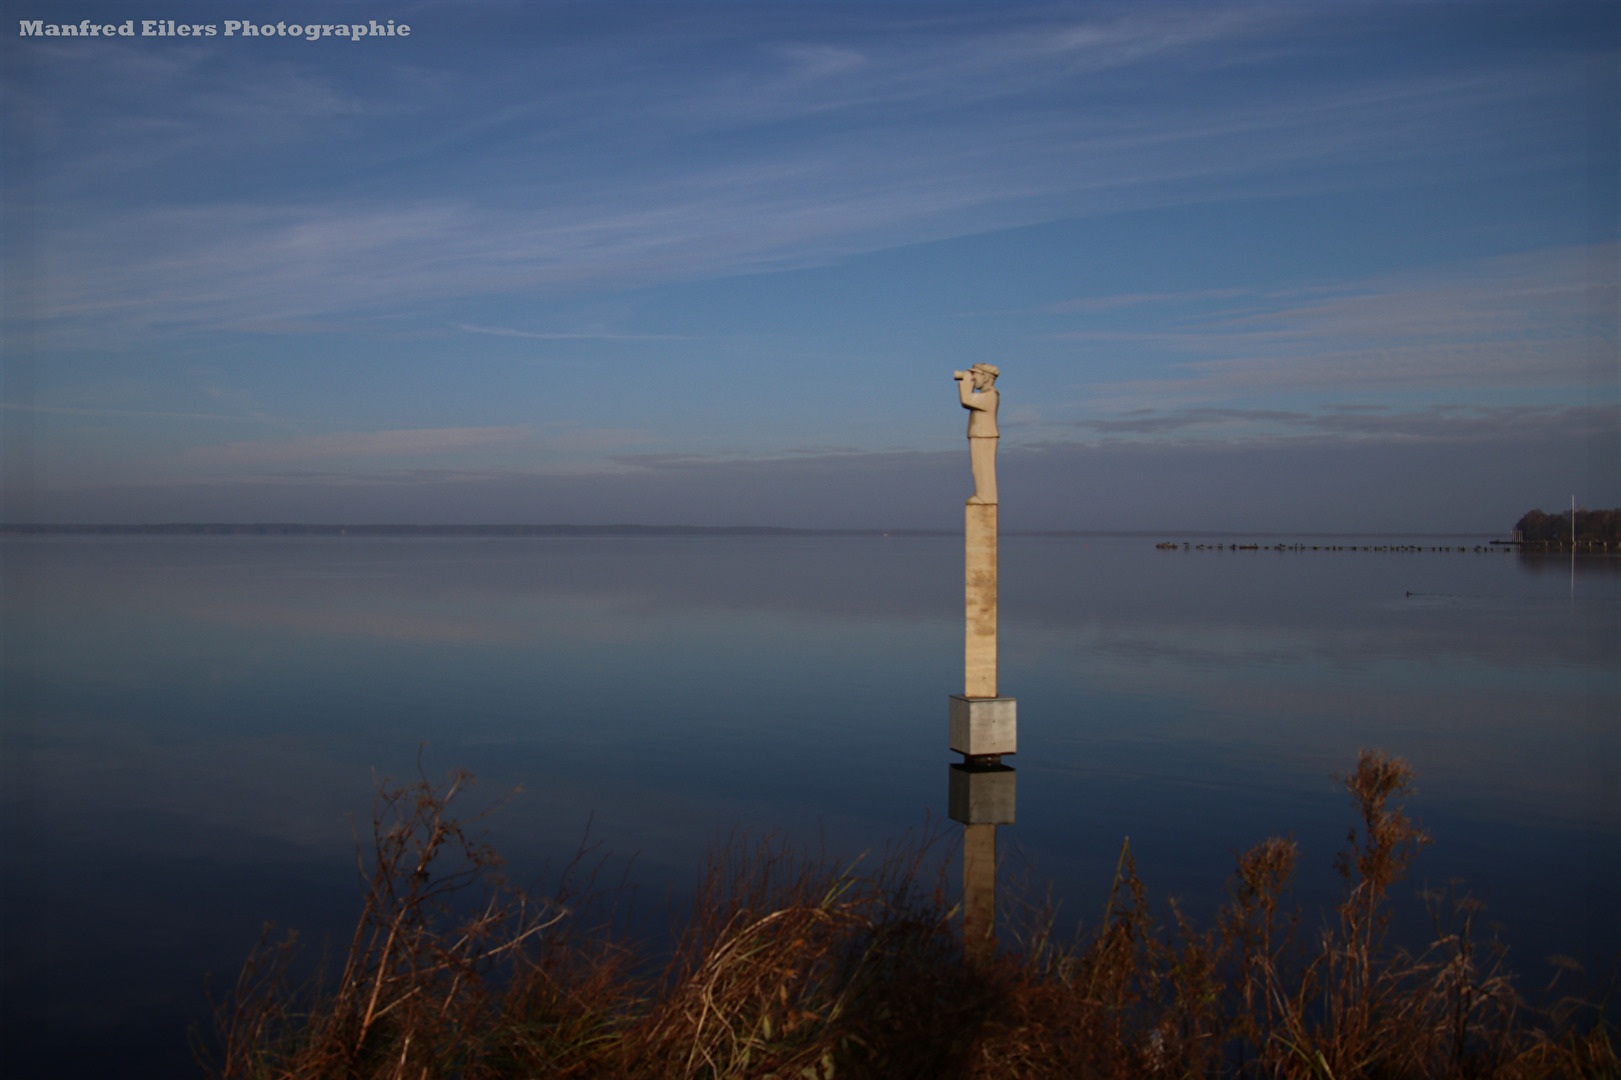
x=1592 y=527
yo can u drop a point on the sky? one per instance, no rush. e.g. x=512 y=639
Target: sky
x=1272 y=267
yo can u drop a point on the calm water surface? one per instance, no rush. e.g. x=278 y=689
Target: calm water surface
x=192 y=727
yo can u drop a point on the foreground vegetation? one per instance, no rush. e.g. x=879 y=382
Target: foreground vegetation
x=793 y=966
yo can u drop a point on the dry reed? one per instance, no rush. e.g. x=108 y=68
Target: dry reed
x=793 y=965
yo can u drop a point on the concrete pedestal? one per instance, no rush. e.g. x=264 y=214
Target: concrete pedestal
x=984 y=726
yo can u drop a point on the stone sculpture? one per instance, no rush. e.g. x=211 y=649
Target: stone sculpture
x=983 y=725
x=977 y=389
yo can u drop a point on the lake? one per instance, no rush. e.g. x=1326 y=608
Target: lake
x=193 y=726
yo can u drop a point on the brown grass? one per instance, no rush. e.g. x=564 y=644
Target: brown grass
x=792 y=965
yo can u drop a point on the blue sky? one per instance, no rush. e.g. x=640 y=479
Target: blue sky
x=1294 y=267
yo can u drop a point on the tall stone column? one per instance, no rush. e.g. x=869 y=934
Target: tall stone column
x=979 y=653
x=983 y=724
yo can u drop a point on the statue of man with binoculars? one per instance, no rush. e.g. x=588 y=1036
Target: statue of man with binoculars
x=977 y=389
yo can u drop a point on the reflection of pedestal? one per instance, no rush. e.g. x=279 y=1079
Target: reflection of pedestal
x=981 y=794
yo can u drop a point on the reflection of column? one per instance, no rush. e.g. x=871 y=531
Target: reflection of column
x=981 y=794
x=979 y=892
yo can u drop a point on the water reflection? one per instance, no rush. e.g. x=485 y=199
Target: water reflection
x=981 y=794
x=1551 y=562
x=190 y=722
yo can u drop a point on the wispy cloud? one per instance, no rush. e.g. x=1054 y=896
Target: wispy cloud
x=1152 y=422
x=1505 y=323
x=1124 y=300
x=599 y=335
x=1437 y=423
x=369 y=444
x=135 y=413
x=783 y=140
x=407 y=456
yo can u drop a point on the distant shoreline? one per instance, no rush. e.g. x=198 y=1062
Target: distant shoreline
x=305 y=529
x=293 y=529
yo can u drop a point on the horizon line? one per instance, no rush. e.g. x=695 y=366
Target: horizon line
x=222 y=528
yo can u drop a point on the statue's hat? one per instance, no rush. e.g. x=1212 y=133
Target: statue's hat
x=990 y=369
